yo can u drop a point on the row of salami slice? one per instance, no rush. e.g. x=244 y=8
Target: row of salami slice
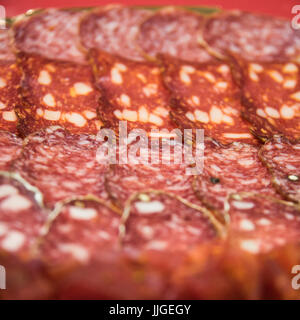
x=58 y=87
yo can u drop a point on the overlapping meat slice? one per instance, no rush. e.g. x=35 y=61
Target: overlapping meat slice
x=175 y=32
x=205 y=96
x=261 y=224
x=161 y=222
x=50 y=33
x=113 y=29
x=62 y=165
x=77 y=231
x=57 y=86
x=10 y=78
x=169 y=167
x=10 y=148
x=230 y=169
x=131 y=91
x=252 y=37
x=283 y=160
x=57 y=93
x=21 y=216
x=271 y=95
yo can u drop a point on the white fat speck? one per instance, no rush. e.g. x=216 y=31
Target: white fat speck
x=157 y=245
x=78 y=252
x=247 y=225
x=83 y=213
x=243 y=205
x=252 y=246
x=149 y=207
x=16 y=203
x=264 y=222
x=7 y=190
x=3 y=229
x=13 y=241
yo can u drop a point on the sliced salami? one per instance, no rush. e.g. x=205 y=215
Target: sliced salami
x=10 y=148
x=231 y=169
x=261 y=224
x=113 y=29
x=252 y=37
x=21 y=217
x=166 y=168
x=52 y=33
x=175 y=32
x=131 y=91
x=78 y=231
x=271 y=95
x=160 y=222
x=283 y=160
x=62 y=165
x=205 y=96
x=10 y=78
x=57 y=93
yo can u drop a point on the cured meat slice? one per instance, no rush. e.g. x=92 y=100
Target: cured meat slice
x=131 y=91
x=10 y=78
x=174 y=32
x=62 y=165
x=21 y=216
x=252 y=37
x=231 y=169
x=160 y=222
x=283 y=160
x=113 y=29
x=10 y=148
x=271 y=95
x=166 y=168
x=57 y=93
x=204 y=96
x=52 y=33
x=261 y=224
x=77 y=231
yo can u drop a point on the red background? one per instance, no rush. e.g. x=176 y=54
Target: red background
x=272 y=7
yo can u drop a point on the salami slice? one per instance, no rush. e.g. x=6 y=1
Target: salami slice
x=52 y=33
x=160 y=222
x=78 y=231
x=10 y=78
x=10 y=148
x=174 y=32
x=57 y=93
x=62 y=165
x=283 y=160
x=204 y=96
x=168 y=167
x=252 y=37
x=231 y=169
x=21 y=217
x=261 y=224
x=131 y=91
x=271 y=95
x=113 y=29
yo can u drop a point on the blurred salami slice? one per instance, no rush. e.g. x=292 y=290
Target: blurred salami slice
x=283 y=160
x=231 y=169
x=57 y=93
x=252 y=37
x=52 y=33
x=271 y=95
x=131 y=91
x=205 y=96
x=21 y=217
x=169 y=167
x=114 y=30
x=174 y=32
x=82 y=229
x=62 y=165
x=10 y=148
x=261 y=224
x=10 y=78
x=160 y=222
